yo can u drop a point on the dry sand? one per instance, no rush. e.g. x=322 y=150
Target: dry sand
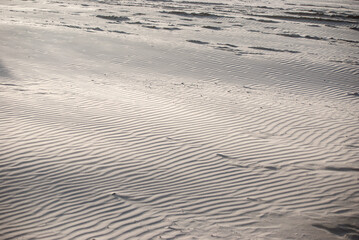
x=179 y=120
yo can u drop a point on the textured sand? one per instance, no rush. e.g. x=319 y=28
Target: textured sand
x=178 y=120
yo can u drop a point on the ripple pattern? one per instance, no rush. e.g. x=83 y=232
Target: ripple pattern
x=135 y=137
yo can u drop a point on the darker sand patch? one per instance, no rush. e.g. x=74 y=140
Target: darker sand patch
x=114 y=18
x=273 y=49
x=342 y=169
x=197 y=42
x=348 y=231
x=212 y=27
x=186 y=14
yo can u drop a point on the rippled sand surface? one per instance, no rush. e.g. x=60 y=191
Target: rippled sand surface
x=179 y=119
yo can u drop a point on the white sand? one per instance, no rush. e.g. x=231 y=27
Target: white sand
x=241 y=123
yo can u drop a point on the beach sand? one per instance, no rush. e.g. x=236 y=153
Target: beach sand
x=179 y=120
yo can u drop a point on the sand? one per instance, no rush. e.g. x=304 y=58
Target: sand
x=179 y=120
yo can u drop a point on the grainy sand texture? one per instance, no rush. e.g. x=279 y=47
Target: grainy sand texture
x=171 y=119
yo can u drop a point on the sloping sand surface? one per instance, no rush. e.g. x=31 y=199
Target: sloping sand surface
x=178 y=120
